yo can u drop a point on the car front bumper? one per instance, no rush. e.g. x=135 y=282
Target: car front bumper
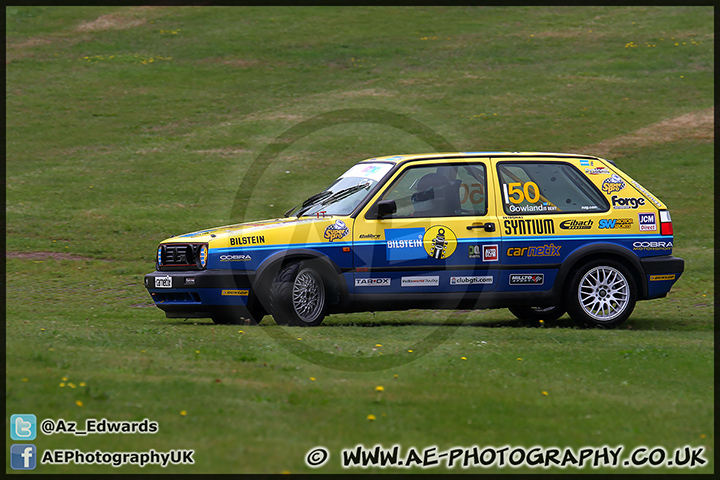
x=198 y=294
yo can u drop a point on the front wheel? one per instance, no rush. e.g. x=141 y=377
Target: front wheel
x=297 y=296
x=602 y=294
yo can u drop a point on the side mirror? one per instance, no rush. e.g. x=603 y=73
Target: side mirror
x=383 y=208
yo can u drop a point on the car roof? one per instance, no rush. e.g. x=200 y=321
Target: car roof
x=427 y=156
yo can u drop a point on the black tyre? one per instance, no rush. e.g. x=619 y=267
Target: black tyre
x=238 y=316
x=535 y=314
x=601 y=294
x=298 y=296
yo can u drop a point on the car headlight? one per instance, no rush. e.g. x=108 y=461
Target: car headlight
x=203 y=256
x=159 y=256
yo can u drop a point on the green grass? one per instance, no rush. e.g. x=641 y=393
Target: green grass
x=109 y=152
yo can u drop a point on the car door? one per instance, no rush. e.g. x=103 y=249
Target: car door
x=443 y=235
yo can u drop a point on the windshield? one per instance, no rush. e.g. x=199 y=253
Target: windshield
x=346 y=193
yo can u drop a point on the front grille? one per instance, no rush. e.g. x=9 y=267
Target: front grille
x=179 y=255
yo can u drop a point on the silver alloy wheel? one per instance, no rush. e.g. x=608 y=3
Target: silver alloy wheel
x=308 y=295
x=604 y=293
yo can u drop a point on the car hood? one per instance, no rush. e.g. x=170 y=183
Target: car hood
x=221 y=235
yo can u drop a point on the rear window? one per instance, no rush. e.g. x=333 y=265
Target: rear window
x=547 y=187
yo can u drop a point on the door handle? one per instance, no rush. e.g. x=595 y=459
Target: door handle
x=488 y=227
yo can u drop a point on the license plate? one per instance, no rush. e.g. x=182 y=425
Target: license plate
x=163 y=282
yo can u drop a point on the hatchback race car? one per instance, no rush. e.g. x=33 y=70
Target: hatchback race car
x=539 y=233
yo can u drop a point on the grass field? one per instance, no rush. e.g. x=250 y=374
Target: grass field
x=128 y=125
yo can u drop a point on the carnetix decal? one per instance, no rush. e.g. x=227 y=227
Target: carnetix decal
x=535 y=251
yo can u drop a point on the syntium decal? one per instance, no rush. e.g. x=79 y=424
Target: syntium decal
x=529 y=227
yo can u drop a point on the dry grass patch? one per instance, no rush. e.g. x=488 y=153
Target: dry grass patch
x=224 y=152
x=699 y=126
x=46 y=256
x=124 y=19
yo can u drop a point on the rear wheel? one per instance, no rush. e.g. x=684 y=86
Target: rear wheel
x=297 y=296
x=535 y=314
x=602 y=293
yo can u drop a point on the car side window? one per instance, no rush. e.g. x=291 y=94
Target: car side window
x=546 y=188
x=443 y=190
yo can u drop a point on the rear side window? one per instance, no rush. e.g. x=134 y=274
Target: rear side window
x=547 y=187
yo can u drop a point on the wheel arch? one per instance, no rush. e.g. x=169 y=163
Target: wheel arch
x=330 y=271
x=609 y=251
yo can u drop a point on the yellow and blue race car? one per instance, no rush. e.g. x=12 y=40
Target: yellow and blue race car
x=539 y=233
